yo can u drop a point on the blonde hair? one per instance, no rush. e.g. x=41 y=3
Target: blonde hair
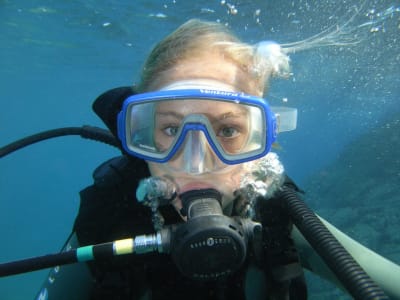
x=197 y=38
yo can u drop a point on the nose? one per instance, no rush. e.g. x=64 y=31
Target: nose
x=196 y=155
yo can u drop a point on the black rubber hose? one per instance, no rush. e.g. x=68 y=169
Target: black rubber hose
x=88 y=132
x=347 y=270
x=38 y=263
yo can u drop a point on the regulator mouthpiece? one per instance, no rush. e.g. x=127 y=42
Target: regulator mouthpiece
x=199 y=203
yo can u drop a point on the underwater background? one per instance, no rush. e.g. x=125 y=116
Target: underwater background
x=56 y=57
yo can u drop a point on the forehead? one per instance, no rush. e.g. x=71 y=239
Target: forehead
x=210 y=67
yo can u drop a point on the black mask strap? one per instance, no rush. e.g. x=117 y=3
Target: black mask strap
x=109 y=104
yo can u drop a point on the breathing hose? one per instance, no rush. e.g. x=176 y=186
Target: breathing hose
x=356 y=281
x=88 y=132
x=138 y=245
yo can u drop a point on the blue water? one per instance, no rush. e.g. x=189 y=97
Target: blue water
x=56 y=57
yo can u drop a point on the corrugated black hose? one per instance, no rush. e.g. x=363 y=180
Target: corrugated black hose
x=347 y=270
x=88 y=132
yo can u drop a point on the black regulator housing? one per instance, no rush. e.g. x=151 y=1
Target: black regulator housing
x=209 y=245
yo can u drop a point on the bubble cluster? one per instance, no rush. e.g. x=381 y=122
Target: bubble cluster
x=377 y=18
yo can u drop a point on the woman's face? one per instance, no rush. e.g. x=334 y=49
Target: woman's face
x=228 y=121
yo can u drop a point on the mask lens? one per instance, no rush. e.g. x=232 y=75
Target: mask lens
x=159 y=128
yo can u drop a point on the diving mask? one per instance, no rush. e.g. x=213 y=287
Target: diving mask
x=204 y=129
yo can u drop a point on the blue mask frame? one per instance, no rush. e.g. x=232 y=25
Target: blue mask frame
x=270 y=128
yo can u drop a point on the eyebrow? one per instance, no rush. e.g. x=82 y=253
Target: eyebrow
x=212 y=118
x=170 y=113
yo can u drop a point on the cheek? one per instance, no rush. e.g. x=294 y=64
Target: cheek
x=227 y=183
x=155 y=169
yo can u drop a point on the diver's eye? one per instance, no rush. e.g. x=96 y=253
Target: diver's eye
x=228 y=132
x=171 y=131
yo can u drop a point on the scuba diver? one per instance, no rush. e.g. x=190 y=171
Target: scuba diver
x=196 y=168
